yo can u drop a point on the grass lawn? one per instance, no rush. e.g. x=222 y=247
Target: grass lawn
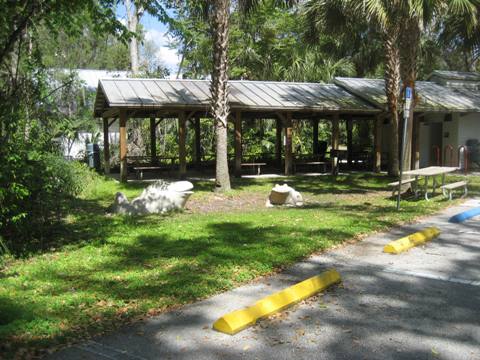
x=107 y=270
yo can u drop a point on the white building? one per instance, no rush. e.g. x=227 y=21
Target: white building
x=90 y=78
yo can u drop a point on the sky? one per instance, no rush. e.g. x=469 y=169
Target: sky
x=157 y=32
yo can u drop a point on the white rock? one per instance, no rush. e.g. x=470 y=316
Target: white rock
x=158 y=198
x=284 y=195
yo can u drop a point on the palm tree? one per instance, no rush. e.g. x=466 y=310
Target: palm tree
x=399 y=23
x=416 y=16
x=343 y=16
x=462 y=33
x=219 y=13
x=219 y=90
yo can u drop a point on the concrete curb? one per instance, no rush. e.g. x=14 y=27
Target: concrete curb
x=464 y=215
x=238 y=320
x=415 y=239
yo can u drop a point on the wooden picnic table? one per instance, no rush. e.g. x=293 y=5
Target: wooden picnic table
x=433 y=172
x=254 y=165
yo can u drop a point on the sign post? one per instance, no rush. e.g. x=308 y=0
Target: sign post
x=406 y=115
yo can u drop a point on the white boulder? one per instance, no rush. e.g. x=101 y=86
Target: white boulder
x=158 y=198
x=284 y=195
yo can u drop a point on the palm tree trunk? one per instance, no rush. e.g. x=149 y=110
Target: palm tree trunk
x=409 y=45
x=219 y=90
x=392 y=86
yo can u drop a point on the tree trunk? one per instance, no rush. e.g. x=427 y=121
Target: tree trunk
x=392 y=85
x=219 y=91
x=134 y=13
x=409 y=45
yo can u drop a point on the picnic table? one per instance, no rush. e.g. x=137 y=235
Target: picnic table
x=255 y=166
x=433 y=172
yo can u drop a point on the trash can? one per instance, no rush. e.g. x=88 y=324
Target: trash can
x=93 y=156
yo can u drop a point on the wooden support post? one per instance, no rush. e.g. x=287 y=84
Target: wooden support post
x=416 y=142
x=153 y=140
x=278 y=143
x=238 y=143
x=123 y=146
x=106 y=147
x=377 y=161
x=349 y=141
x=198 y=145
x=335 y=138
x=288 y=144
x=315 y=146
x=182 y=133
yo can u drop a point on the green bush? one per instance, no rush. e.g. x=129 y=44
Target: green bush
x=34 y=188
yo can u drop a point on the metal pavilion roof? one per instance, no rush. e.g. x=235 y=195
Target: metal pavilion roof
x=456 y=75
x=432 y=97
x=254 y=96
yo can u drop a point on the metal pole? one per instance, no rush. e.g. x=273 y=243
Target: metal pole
x=402 y=156
x=406 y=115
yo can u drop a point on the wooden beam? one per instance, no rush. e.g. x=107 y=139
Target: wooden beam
x=278 y=143
x=153 y=140
x=416 y=142
x=106 y=147
x=182 y=133
x=377 y=161
x=198 y=144
x=315 y=146
x=190 y=115
x=110 y=113
x=111 y=122
x=335 y=139
x=349 y=141
x=282 y=116
x=288 y=144
x=123 y=146
x=238 y=143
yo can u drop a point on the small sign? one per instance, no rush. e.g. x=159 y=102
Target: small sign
x=408 y=93
x=408 y=99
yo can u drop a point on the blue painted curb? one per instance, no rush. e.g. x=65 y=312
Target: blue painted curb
x=465 y=215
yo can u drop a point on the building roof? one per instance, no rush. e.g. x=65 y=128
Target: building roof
x=253 y=96
x=432 y=97
x=456 y=75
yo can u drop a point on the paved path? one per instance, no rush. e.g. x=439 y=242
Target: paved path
x=423 y=304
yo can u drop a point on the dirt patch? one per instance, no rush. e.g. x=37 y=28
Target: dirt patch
x=251 y=201
x=220 y=203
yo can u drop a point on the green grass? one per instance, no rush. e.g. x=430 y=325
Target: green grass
x=106 y=270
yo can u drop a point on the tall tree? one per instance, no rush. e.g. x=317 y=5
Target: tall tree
x=461 y=34
x=134 y=11
x=218 y=13
x=399 y=23
x=418 y=15
x=219 y=90
x=343 y=16
x=220 y=17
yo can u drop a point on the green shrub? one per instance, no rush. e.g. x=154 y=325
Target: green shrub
x=34 y=188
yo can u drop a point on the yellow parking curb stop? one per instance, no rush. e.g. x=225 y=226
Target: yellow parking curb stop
x=238 y=320
x=412 y=240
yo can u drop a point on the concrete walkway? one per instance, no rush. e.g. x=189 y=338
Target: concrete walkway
x=423 y=304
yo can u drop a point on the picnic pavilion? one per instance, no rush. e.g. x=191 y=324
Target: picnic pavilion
x=446 y=116
x=188 y=101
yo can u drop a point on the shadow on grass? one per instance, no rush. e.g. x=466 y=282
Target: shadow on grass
x=355 y=183
x=136 y=261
